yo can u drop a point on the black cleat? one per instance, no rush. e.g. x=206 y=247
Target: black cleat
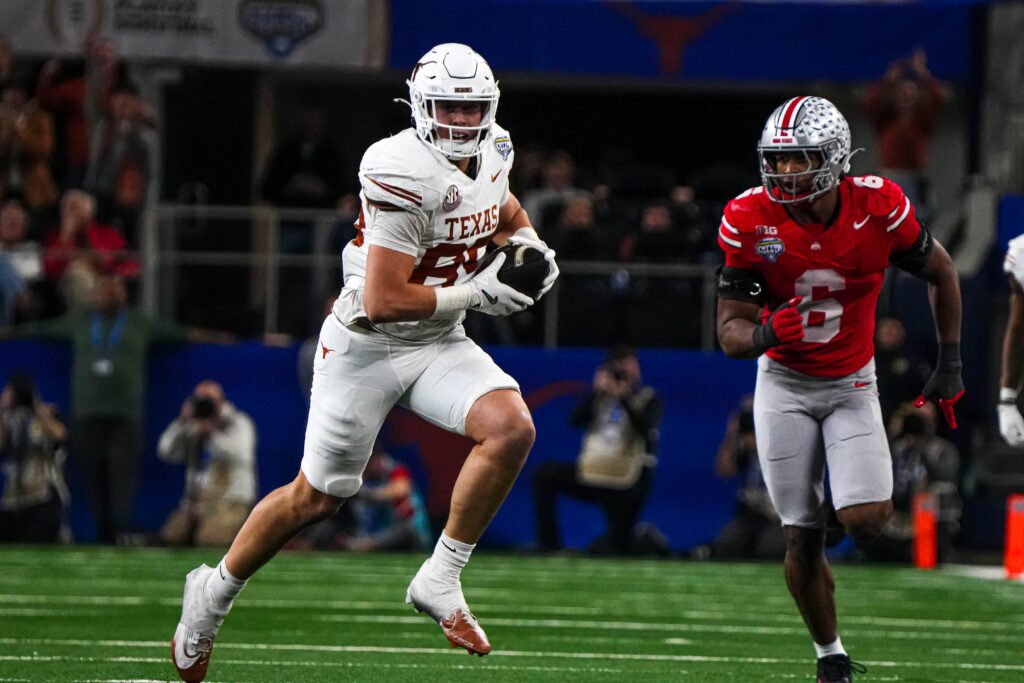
x=838 y=669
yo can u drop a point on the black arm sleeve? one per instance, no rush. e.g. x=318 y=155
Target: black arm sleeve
x=742 y=285
x=647 y=415
x=913 y=259
x=583 y=411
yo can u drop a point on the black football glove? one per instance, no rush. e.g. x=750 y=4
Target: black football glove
x=945 y=386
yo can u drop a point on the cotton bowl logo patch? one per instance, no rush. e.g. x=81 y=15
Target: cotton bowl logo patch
x=770 y=249
x=504 y=146
x=281 y=24
x=452 y=198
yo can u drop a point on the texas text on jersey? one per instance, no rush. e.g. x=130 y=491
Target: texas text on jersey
x=838 y=269
x=450 y=219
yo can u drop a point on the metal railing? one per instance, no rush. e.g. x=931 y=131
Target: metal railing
x=190 y=235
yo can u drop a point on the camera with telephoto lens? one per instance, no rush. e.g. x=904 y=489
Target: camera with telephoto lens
x=203 y=407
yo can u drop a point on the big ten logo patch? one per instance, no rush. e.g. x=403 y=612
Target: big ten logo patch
x=766 y=230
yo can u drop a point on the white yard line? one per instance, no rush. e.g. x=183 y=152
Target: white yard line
x=367 y=649
x=666 y=626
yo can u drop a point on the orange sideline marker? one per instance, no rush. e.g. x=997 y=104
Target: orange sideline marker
x=1013 y=558
x=926 y=554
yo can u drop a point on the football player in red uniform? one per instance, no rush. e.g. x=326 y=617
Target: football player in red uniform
x=805 y=256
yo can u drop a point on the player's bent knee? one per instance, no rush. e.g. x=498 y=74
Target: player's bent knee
x=865 y=522
x=313 y=505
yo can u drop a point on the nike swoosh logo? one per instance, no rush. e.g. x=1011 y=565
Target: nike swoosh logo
x=495 y=176
x=442 y=542
x=861 y=385
x=859 y=225
x=490 y=299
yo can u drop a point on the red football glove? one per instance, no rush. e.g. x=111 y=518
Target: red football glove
x=945 y=386
x=784 y=326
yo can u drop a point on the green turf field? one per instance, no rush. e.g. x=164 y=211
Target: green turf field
x=93 y=614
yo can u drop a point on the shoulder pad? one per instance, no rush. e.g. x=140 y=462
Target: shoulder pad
x=399 y=170
x=739 y=218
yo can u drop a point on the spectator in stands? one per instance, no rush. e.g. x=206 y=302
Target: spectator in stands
x=77 y=100
x=904 y=108
x=26 y=148
x=79 y=248
x=32 y=436
x=6 y=61
x=25 y=256
x=24 y=253
x=120 y=166
x=12 y=290
x=527 y=173
x=390 y=508
x=544 y=204
x=755 y=530
x=921 y=462
x=217 y=444
x=109 y=345
x=900 y=374
x=615 y=466
x=305 y=169
x=577 y=236
x=656 y=238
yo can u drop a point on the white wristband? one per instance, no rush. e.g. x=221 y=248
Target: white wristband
x=527 y=232
x=1008 y=394
x=453 y=299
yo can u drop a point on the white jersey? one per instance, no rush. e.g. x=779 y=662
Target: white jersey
x=415 y=201
x=1014 y=263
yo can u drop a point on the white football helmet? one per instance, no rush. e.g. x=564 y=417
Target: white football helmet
x=814 y=127
x=452 y=71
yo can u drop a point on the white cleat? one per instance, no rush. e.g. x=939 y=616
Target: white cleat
x=200 y=621
x=446 y=605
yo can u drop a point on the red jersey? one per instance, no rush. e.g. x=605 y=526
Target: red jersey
x=838 y=270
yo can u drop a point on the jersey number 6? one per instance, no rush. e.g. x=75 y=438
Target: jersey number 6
x=821 y=317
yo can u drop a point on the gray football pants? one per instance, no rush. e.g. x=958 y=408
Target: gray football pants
x=802 y=423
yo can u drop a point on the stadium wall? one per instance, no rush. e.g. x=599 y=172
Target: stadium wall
x=688 y=503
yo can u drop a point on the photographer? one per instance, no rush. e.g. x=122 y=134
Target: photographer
x=754 y=532
x=217 y=444
x=615 y=465
x=31 y=439
x=921 y=462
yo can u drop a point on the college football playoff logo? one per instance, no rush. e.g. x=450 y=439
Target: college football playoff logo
x=504 y=146
x=452 y=198
x=770 y=249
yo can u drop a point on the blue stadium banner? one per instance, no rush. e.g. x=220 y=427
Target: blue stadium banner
x=680 y=40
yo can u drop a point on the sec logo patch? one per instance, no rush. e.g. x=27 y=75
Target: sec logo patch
x=452 y=198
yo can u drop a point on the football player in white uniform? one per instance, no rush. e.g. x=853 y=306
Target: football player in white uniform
x=433 y=197
x=1011 y=424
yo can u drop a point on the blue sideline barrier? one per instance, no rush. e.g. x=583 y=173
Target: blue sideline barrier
x=688 y=503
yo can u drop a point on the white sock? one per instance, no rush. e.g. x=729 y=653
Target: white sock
x=450 y=556
x=833 y=648
x=221 y=586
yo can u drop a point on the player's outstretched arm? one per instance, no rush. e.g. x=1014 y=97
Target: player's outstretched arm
x=1011 y=423
x=946 y=385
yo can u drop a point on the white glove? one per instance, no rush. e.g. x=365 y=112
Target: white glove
x=1011 y=423
x=492 y=296
x=528 y=237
